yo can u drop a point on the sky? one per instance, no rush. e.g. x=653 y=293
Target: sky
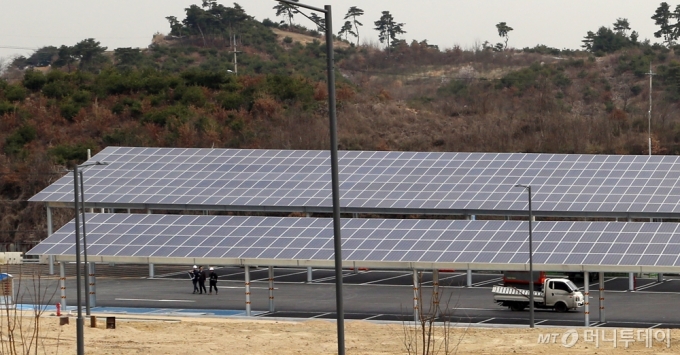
x=26 y=26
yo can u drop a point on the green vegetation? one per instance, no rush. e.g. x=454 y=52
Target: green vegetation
x=182 y=91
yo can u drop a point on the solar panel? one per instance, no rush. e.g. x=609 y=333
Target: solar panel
x=386 y=241
x=384 y=182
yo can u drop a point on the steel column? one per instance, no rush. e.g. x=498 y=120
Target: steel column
x=469 y=278
x=247 y=270
x=415 y=296
x=631 y=281
x=271 y=289
x=309 y=274
x=586 y=297
x=435 y=291
x=62 y=285
x=92 y=281
x=152 y=271
x=50 y=258
x=602 y=314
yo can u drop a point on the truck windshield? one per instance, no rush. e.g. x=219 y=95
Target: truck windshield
x=572 y=286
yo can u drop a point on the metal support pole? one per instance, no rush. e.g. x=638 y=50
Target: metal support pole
x=247 y=270
x=659 y=277
x=602 y=314
x=631 y=281
x=80 y=342
x=50 y=258
x=469 y=278
x=435 y=291
x=62 y=285
x=415 y=297
x=309 y=275
x=152 y=271
x=85 y=263
x=586 y=297
x=271 y=289
x=93 y=289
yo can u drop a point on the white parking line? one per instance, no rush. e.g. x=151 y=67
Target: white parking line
x=152 y=300
x=385 y=279
x=487 y=282
x=486 y=320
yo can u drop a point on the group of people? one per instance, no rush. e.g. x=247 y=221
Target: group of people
x=198 y=277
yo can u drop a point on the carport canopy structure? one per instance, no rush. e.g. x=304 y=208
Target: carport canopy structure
x=422 y=183
x=375 y=243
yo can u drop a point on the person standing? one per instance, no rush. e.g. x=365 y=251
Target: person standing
x=201 y=280
x=213 y=280
x=193 y=274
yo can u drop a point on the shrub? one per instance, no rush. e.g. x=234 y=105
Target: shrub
x=200 y=77
x=193 y=96
x=15 y=142
x=15 y=93
x=230 y=100
x=34 y=80
x=63 y=154
x=56 y=89
x=69 y=110
x=81 y=97
x=6 y=107
x=287 y=40
x=163 y=116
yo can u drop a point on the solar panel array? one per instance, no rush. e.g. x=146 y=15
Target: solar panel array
x=372 y=181
x=373 y=240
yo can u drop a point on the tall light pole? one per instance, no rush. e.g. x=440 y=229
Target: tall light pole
x=86 y=267
x=649 y=113
x=337 y=241
x=80 y=343
x=531 y=260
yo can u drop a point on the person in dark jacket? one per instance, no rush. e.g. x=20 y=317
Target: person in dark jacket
x=213 y=280
x=201 y=280
x=193 y=274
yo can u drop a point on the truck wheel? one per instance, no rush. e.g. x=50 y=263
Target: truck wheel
x=561 y=307
x=517 y=307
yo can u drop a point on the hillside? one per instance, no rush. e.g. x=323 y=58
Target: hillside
x=179 y=93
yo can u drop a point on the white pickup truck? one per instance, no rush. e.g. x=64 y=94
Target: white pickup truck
x=558 y=294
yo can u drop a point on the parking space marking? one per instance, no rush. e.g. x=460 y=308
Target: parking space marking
x=321 y=315
x=486 y=282
x=486 y=320
x=291 y=274
x=151 y=300
x=649 y=285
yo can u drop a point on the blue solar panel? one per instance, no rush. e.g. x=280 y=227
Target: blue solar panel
x=396 y=182
x=375 y=240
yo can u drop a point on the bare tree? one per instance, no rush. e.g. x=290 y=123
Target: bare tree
x=434 y=331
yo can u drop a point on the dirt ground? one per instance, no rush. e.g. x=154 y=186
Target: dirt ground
x=180 y=335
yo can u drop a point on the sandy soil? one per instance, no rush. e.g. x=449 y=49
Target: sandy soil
x=175 y=335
